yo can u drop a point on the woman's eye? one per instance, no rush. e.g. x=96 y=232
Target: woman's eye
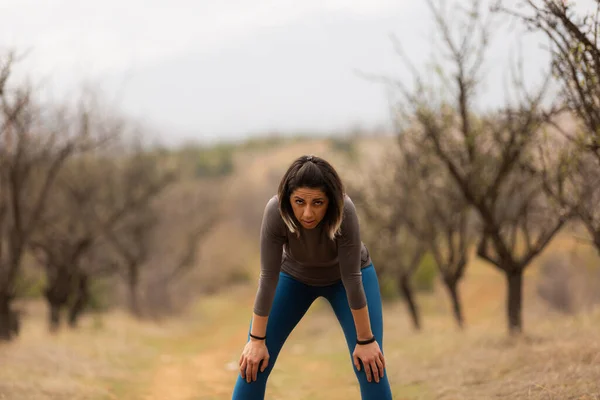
x=318 y=203
x=299 y=201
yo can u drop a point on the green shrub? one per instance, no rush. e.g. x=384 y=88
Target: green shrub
x=31 y=285
x=344 y=145
x=239 y=275
x=425 y=275
x=214 y=162
x=388 y=288
x=101 y=291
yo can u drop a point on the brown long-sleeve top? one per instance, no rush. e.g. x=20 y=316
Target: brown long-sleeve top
x=313 y=258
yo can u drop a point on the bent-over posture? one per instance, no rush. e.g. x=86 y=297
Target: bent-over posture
x=310 y=246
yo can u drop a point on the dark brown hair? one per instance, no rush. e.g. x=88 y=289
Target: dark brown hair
x=315 y=173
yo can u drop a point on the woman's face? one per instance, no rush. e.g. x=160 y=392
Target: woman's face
x=309 y=205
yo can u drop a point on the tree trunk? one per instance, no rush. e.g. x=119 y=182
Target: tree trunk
x=133 y=280
x=54 y=316
x=596 y=236
x=6 y=332
x=57 y=293
x=81 y=299
x=452 y=286
x=514 y=277
x=406 y=289
x=56 y=301
x=134 y=305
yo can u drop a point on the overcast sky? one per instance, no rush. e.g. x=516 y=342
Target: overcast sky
x=208 y=69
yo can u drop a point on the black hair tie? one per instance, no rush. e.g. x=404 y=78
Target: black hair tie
x=368 y=341
x=258 y=337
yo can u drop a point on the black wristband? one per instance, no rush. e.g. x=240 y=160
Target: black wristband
x=368 y=341
x=258 y=337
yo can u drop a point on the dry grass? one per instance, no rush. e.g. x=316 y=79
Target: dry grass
x=194 y=357
x=70 y=364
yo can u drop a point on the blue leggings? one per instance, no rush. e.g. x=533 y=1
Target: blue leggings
x=292 y=300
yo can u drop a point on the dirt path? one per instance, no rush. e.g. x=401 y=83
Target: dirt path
x=172 y=381
x=204 y=358
x=186 y=377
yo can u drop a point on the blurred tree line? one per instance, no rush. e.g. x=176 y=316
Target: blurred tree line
x=86 y=204
x=502 y=181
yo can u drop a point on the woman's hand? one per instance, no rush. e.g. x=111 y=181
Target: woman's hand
x=372 y=358
x=254 y=352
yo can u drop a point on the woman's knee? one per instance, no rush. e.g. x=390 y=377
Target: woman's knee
x=253 y=390
x=374 y=390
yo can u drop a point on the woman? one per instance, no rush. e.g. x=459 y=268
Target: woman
x=310 y=246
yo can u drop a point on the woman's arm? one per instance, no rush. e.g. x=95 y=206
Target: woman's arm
x=349 y=248
x=272 y=238
x=362 y=323
x=255 y=353
x=259 y=325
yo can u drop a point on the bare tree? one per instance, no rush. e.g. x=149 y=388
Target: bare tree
x=136 y=183
x=437 y=214
x=93 y=195
x=134 y=242
x=397 y=251
x=66 y=233
x=131 y=242
x=574 y=181
x=162 y=261
x=485 y=155
x=34 y=145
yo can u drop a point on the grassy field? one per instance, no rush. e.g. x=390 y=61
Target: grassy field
x=194 y=357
